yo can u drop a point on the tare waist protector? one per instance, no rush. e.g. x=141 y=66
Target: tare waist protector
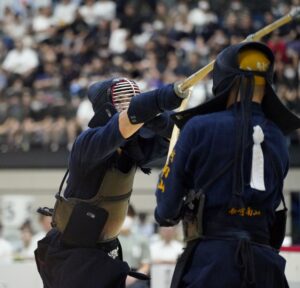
x=104 y=213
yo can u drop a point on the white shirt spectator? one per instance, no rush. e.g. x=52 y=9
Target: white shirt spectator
x=15 y=28
x=28 y=252
x=3 y=5
x=6 y=251
x=201 y=15
x=64 y=13
x=20 y=61
x=41 y=23
x=105 y=9
x=117 y=41
x=84 y=113
x=163 y=252
x=88 y=13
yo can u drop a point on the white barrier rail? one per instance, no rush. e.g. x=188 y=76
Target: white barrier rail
x=292 y=269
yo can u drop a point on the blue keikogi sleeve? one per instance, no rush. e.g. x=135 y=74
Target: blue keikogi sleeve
x=94 y=145
x=176 y=178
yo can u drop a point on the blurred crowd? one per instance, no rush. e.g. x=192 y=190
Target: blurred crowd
x=51 y=50
x=22 y=244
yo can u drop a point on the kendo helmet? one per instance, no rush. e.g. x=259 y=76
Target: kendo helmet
x=227 y=71
x=228 y=67
x=109 y=97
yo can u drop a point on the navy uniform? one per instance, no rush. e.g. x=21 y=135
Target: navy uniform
x=82 y=249
x=224 y=178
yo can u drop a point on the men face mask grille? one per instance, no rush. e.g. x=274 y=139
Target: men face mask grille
x=122 y=92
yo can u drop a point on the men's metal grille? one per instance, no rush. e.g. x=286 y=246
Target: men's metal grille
x=122 y=92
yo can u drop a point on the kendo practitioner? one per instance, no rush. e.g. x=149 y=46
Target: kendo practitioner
x=82 y=249
x=224 y=178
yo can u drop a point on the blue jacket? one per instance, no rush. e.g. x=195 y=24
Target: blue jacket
x=206 y=145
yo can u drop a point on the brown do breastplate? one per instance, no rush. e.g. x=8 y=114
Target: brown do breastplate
x=113 y=196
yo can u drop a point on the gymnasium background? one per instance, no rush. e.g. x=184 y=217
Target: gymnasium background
x=50 y=51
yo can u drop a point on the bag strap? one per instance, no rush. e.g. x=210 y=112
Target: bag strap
x=50 y=211
x=58 y=194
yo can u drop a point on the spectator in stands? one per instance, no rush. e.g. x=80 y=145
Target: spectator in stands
x=21 y=61
x=28 y=245
x=42 y=23
x=84 y=113
x=12 y=125
x=144 y=226
x=29 y=238
x=167 y=249
x=136 y=250
x=278 y=46
x=64 y=13
x=14 y=26
x=105 y=10
x=88 y=13
x=45 y=225
x=201 y=15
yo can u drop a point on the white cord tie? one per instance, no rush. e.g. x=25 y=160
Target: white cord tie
x=257 y=170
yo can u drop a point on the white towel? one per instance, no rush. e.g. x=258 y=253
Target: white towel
x=257 y=170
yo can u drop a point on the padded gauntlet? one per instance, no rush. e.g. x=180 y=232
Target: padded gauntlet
x=145 y=106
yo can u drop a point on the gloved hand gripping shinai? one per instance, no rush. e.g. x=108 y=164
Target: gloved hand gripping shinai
x=146 y=106
x=161 y=125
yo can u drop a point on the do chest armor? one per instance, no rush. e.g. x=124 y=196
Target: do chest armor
x=111 y=201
